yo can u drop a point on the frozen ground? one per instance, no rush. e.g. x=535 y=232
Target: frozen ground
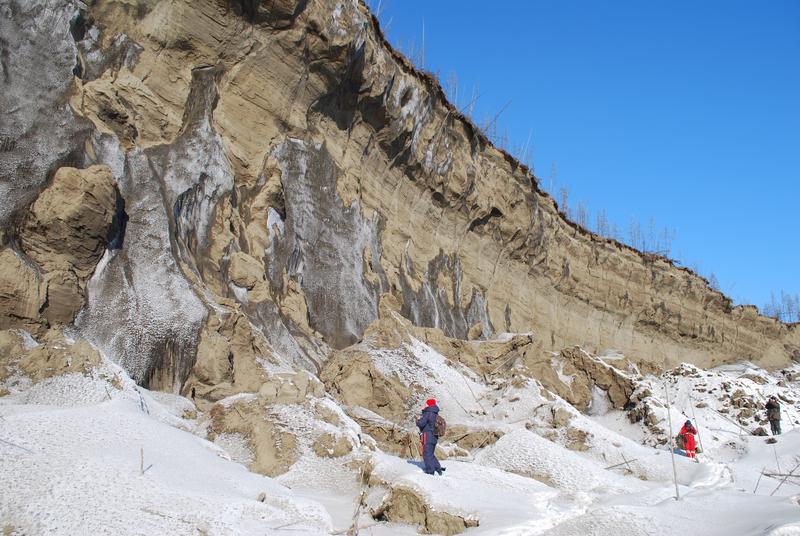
x=72 y=449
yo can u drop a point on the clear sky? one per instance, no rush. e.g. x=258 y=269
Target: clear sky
x=687 y=113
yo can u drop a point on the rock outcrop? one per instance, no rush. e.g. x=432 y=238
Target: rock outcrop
x=404 y=505
x=574 y=374
x=273 y=436
x=272 y=443
x=60 y=240
x=282 y=162
x=55 y=355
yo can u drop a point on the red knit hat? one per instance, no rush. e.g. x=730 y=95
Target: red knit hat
x=430 y=402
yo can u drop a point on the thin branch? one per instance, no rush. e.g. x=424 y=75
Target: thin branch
x=759 y=480
x=15 y=445
x=791 y=473
x=626 y=462
x=490 y=124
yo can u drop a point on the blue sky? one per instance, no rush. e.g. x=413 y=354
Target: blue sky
x=684 y=113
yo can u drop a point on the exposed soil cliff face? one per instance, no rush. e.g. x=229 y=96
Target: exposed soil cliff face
x=282 y=165
x=56 y=247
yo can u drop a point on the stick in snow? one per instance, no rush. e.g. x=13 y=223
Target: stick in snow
x=467 y=413
x=791 y=473
x=353 y=530
x=626 y=462
x=671 y=440
x=697 y=424
x=759 y=480
x=142 y=403
x=777 y=463
x=777 y=476
x=15 y=445
x=463 y=377
x=732 y=422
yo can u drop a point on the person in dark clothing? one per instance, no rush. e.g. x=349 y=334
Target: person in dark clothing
x=774 y=415
x=427 y=431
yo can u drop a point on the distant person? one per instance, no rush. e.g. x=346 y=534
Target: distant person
x=687 y=433
x=774 y=414
x=427 y=424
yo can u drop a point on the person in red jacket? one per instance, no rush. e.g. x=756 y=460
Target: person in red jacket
x=688 y=431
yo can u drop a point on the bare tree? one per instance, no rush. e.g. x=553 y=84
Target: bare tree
x=601 y=223
x=581 y=215
x=666 y=238
x=526 y=154
x=635 y=234
x=790 y=307
x=471 y=104
x=615 y=233
x=564 y=193
x=713 y=282
x=772 y=308
x=553 y=177
x=451 y=87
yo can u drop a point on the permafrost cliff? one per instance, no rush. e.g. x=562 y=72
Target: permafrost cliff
x=277 y=165
x=263 y=209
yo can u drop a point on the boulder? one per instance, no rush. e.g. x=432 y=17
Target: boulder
x=275 y=439
x=230 y=360
x=757 y=378
x=573 y=374
x=471 y=438
x=331 y=445
x=389 y=436
x=54 y=355
x=245 y=271
x=577 y=439
x=274 y=446
x=404 y=505
x=12 y=348
x=70 y=223
x=561 y=417
x=352 y=377
x=62 y=237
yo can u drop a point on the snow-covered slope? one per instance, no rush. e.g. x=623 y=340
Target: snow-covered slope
x=72 y=453
x=74 y=446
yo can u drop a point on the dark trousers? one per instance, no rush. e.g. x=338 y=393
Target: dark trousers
x=776 y=427
x=429 y=455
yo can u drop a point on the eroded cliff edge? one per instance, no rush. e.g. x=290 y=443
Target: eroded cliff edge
x=279 y=167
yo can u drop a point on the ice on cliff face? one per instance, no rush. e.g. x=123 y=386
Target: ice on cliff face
x=37 y=128
x=141 y=307
x=323 y=244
